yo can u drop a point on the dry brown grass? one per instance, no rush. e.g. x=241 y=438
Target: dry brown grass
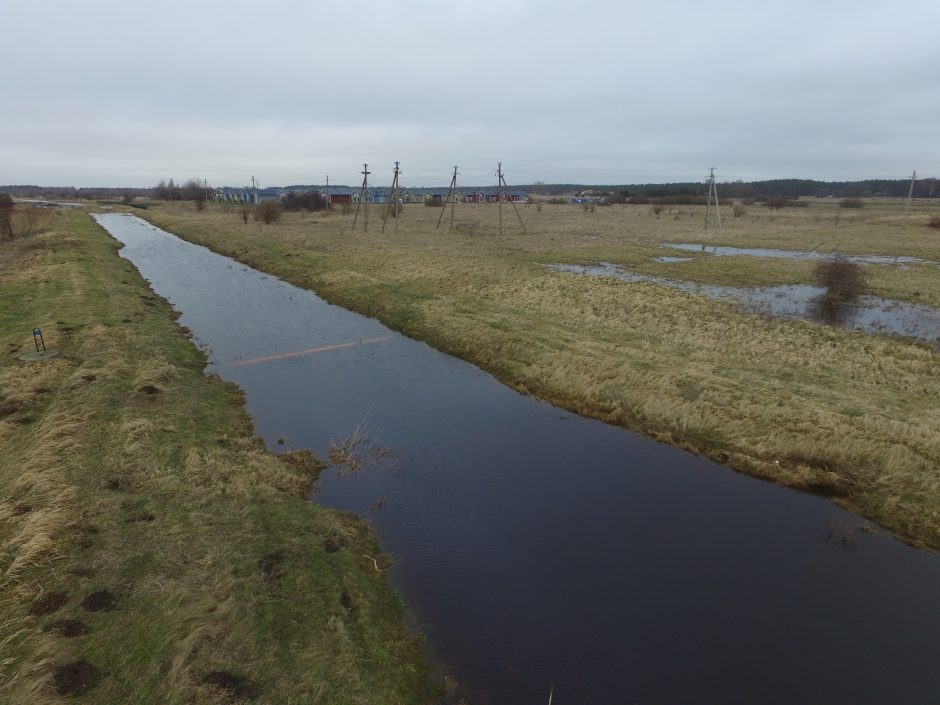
x=841 y=412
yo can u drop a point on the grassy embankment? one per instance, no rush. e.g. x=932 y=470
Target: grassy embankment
x=151 y=550
x=844 y=413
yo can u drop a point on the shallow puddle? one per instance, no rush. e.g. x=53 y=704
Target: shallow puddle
x=672 y=259
x=721 y=251
x=871 y=314
x=539 y=550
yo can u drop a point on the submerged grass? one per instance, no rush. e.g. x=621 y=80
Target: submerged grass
x=151 y=549
x=843 y=413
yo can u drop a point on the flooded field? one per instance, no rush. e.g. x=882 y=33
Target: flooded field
x=722 y=251
x=539 y=550
x=871 y=314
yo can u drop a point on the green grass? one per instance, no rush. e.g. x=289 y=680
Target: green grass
x=215 y=557
x=825 y=409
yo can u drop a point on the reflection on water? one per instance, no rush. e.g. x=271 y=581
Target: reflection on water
x=871 y=314
x=792 y=254
x=830 y=310
x=538 y=549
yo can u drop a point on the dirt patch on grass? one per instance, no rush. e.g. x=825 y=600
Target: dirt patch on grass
x=69 y=628
x=102 y=600
x=270 y=565
x=76 y=678
x=49 y=603
x=149 y=389
x=332 y=544
x=9 y=408
x=236 y=686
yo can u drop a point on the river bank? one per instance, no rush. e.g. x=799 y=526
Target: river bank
x=152 y=550
x=846 y=414
x=504 y=515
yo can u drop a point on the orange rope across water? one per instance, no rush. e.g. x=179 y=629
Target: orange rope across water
x=311 y=351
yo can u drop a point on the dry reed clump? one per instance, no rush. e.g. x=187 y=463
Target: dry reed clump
x=934 y=222
x=246 y=471
x=841 y=277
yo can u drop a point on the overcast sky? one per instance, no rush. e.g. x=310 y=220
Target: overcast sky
x=127 y=93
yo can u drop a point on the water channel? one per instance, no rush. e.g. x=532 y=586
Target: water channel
x=540 y=550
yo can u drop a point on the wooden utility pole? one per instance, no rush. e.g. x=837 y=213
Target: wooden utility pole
x=910 y=192
x=712 y=191
x=329 y=201
x=504 y=192
x=393 y=193
x=363 y=196
x=205 y=184
x=451 y=191
x=254 y=188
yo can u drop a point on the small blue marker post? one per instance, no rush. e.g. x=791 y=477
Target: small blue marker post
x=37 y=338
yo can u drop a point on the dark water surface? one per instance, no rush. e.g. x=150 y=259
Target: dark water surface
x=538 y=549
x=871 y=314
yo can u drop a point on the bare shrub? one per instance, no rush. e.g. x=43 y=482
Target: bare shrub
x=934 y=222
x=842 y=278
x=776 y=202
x=267 y=212
x=657 y=209
x=851 y=203
x=244 y=211
x=739 y=210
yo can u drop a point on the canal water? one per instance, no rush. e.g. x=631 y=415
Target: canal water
x=539 y=550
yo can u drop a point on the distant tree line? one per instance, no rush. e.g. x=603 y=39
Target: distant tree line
x=759 y=190
x=192 y=190
x=90 y=193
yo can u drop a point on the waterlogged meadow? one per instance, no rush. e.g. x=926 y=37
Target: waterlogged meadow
x=837 y=411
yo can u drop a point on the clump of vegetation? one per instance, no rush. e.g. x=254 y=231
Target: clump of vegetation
x=934 y=222
x=267 y=212
x=775 y=203
x=243 y=212
x=851 y=203
x=739 y=210
x=842 y=278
